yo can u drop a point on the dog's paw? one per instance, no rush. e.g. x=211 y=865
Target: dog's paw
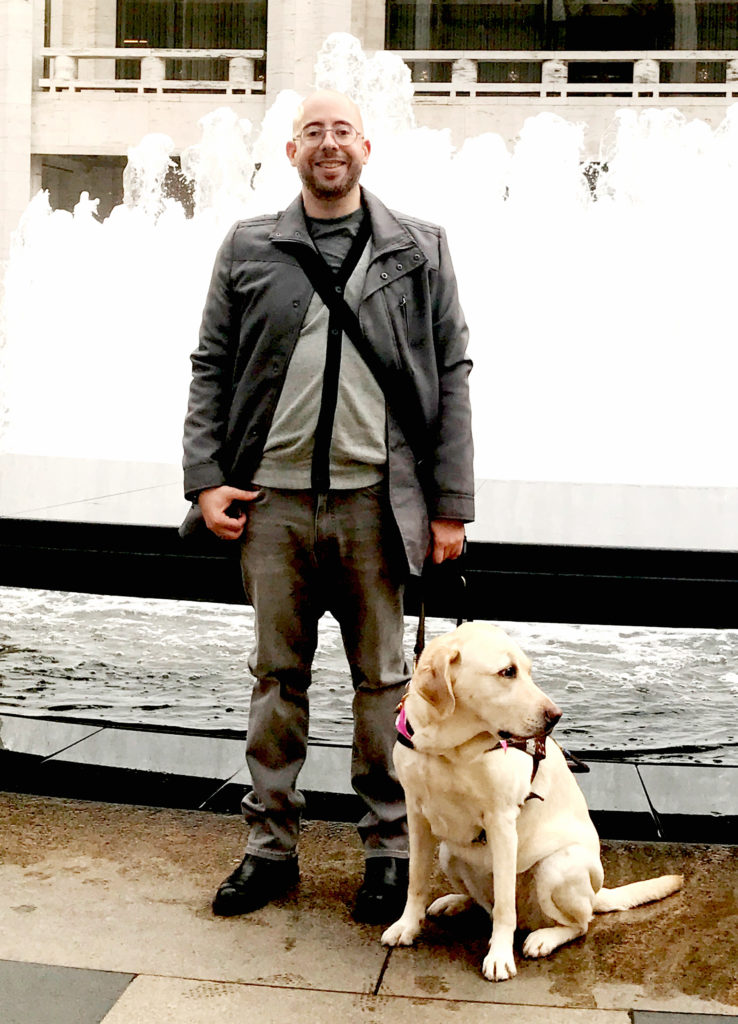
x=448 y=906
x=545 y=940
x=539 y=943
x=401 y=933
x=499 y=965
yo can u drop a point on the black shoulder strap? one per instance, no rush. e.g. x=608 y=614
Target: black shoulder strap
x=330 y=288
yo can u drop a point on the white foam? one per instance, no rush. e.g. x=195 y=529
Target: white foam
x=602 y=330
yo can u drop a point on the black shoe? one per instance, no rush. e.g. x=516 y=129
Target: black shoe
x=255 y=882
x=381 y=898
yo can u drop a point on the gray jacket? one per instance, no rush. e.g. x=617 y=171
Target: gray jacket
x=409 y=313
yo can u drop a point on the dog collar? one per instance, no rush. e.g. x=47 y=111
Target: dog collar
x=404 y=729
x=534 y=746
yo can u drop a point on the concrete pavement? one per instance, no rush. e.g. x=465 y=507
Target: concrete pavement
x=105 y=917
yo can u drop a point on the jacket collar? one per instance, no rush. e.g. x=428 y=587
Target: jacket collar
x=388 y=235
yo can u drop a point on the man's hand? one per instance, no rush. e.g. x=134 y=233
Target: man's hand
x=214 y=502
x=447 y=539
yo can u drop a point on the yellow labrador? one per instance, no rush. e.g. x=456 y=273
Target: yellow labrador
x=510 y=821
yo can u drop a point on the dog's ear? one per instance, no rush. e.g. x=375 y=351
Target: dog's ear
x=434 y=681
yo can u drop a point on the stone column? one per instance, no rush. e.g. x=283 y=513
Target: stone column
x=65 y=68
x=16 y=70
x=646 y=72
x=153 y=70
x=554 y=73
x=241 y=70
x=464 y=71
x=367 y=23
x=296 y=30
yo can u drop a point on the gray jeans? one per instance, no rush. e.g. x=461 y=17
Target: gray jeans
x=302 y=555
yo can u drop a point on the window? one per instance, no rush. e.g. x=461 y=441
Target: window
x=191 y=24
x=564 y=25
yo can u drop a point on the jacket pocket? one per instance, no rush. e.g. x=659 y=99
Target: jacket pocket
x=403 y=310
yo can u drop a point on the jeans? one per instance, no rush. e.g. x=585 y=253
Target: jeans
x=304 y=554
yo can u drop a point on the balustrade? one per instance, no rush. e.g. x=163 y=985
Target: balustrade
x=154 y=65
x=531 y=73
x=549 y=73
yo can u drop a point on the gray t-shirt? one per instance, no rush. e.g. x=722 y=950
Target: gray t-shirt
x=358 y=446
x=333 y=238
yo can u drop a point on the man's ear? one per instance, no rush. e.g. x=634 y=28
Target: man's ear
x=434 y=679
x=291 y=149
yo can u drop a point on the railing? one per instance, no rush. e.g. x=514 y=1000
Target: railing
x=550 y=71
x=67 y=62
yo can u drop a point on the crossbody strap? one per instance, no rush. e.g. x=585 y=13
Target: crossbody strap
x=400 y=398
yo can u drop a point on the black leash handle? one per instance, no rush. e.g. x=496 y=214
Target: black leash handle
x=461 y=617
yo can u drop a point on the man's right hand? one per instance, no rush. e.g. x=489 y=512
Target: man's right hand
x=214 y=501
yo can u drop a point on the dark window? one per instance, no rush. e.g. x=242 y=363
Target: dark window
x=191 y=24
x=565 y=25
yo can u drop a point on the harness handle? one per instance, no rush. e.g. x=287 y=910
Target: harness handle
x=461 y=617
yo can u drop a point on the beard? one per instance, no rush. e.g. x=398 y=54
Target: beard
x=331 y=191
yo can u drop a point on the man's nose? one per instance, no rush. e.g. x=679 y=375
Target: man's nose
x=329 y=139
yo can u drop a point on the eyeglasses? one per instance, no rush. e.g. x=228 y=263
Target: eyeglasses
x=313 y=134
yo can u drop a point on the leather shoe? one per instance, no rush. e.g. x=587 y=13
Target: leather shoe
x=254 y=883
x=381 y=898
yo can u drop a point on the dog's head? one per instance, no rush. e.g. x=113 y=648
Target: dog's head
x=477 y=679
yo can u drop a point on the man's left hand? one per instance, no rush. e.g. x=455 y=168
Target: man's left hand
x=447 y=539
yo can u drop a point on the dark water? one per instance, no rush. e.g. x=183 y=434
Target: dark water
x=668 y=693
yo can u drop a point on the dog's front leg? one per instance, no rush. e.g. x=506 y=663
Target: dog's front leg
x=502 y=842
x=422 y=847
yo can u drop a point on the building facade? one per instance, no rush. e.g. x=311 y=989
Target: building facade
x=82 y=80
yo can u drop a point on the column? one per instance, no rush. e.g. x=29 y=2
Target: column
x=296 y=30
x=368 y=23
x=16 y=69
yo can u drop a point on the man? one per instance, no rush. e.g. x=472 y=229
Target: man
x=340 y=453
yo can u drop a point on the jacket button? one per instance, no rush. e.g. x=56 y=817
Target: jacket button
x=295 y=303
x=399 y=266
x=416 y=256
x=384 y=276
x=339 y=289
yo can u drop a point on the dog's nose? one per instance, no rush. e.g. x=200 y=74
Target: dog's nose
x=552 y=715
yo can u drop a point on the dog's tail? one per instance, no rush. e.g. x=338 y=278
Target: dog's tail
x=623 y=897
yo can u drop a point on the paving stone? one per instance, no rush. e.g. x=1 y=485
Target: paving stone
x=41 y=994
x=658 y=1017
x=172 y=1001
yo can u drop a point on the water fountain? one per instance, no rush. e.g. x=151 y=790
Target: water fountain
x=602 y=330
x=601 y=320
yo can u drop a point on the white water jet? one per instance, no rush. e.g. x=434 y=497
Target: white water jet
x=602 y=323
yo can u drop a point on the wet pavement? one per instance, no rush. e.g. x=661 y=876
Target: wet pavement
x=105 y=916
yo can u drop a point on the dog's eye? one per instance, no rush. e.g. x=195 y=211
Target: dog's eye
x=509 y=673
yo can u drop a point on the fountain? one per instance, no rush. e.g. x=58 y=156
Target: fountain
x=600 y=302
x=602 y=318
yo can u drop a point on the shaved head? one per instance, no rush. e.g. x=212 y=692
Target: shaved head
x=317 y=100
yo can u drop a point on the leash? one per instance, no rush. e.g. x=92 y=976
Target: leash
x=458 y=564
x=535 y=746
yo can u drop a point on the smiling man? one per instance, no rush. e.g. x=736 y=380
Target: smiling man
x=328 y=430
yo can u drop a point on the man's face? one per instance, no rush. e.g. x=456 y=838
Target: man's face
x=329 y=170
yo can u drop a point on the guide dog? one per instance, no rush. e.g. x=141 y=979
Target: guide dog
x=483 y=778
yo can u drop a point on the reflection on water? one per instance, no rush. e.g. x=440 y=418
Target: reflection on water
x=183 y=664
